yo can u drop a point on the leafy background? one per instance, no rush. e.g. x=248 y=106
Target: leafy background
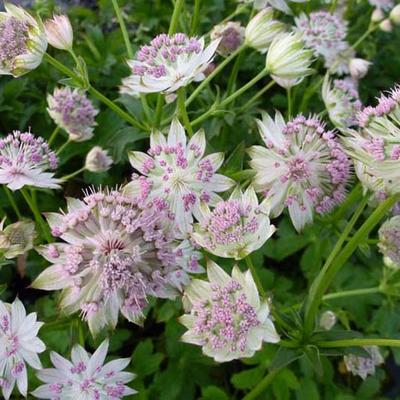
x=166 y=368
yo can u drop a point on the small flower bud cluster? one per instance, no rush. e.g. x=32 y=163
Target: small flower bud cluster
x=389 y=241
x=364 y=365
x=231 y=36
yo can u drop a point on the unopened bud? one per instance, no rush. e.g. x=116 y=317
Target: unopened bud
x=395 y=15
x=358 y=68
x=98 y=160
x=59 y=32
x=328 y=320
x=386 y=25
x=377 y=15
x=231 y=35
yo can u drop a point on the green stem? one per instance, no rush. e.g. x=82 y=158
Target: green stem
x=256 y=278
x=350 y=293
x=159 y=109
x=258 y=95
x=214 y=73
x=289 y=102
x=53 y=135
x=232 y=97
x=235 y=70
x=109 y=103
x=62 y=147
x=337 y=259
x=182 y=112
x=146 y=108
x=73 y=174
x=360 y=342
x=173 y=26
x=12 y=202
x=262 y=385
x=195 y=18
x=123 y=29
x=36 y=213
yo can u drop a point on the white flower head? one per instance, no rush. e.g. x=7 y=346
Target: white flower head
x=22 y=41
x=98 y=160
x=375 y=146
x=389 y=241
x=236 y=227
x=24 y=160
x=364 y=366
x=114 y=255
x=19 y=344
x=177 y=173
x=16 y=238
x=230 y=35
x=288 y=59
x=302 y=166
x=59 y=32
x=358 y=68
x=72 y=111
x=226 y=316
x=85 y=376
x=342 y=101
x=262 y=29
x=168 y=63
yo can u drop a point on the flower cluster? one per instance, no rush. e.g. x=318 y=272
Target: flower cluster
x=342 y=101
x=24 y=160
x=72 y=111
x=364 y=365
x=115 y=253
x=236 y=227
x=389 y=241
x=22 y=41
x=85 y=376
x=168 y=63
x=227 y=318
x=176 y=174
x=18 y=344
x=230 y=36
x=303 y=167
x=98 y=160
x=376 y=145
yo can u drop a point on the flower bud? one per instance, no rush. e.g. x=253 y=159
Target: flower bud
x=377 y=15
x=231 y=36
x=16 y=238
x=386 y=25
x=98 y=160
x=395 y=15
x=262 y=29
x=59 y=32
x=389 y=242
x=328 y=320
x=22 y=41
x=358 y=68
x=287 y=58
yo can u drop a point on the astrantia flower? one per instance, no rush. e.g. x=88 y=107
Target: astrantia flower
x=16 y=238
x=322 y=32
x=168 y=63
x=364 y=366
x=342 y=101
x=227 y=318
x=85 y=376
x=288 y=61
x=339 y=62
x=302 y=167
x=72 y=111
x=389 y=241
x=59 y=32
x=376 y=145
x=281 y=5
x=385 y=5
x=262 y=29
x=358 y=68
x=114 y=255
x=22 y=41
x=18 y=344
x=177 y=173
x=98 y=160
x=230 y=35
x=235 y=228
x=24 y=160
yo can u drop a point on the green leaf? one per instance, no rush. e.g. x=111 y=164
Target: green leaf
x=284 y=357
x=145 y=362
x=248 y=378
x=313 y=356
x=308 y=390
x=213 y=393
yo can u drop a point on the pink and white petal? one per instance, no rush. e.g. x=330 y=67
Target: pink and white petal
x=198 y=290
x=216 y=160
x=187 y=320
x=7 y=389
x=60 y=362
x=198 y=142
x=157 y=139
x=176 y=134
x=28 y=327
x=32 y=359
x=18 y=315
x=250 y=198
x=115 y=366
x=18 y=182
x=98 y=357
x=22 y=381
x=251 y=290
x=79 y=354
x=270 y=334
x=52 y=278
x=216 y=274
x=138 y=160
x=219 y=183
x=192 y=338
x=43 y=392
x=55 y=220
x=300 y=215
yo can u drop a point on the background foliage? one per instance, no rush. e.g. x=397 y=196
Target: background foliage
x=168 y=369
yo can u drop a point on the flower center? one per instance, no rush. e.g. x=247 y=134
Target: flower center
x=298 y=168
x=13 y=37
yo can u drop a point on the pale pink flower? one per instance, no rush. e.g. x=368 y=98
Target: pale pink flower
x=168 y=63
x=389 y=241
x=230 y=35
x=98 y=160
x=24 y=160
x=176 y=172
x=226 y=316
x=72 y=111
x=19 y=344
x=115 y=254
x=364 y=365
x=59 y=32
x=85 y=376
x=302 y=166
